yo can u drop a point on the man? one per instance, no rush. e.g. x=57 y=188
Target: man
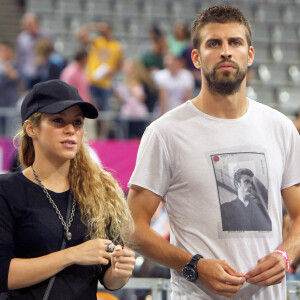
x=9 y=75
x=183 y=155
x=25 y=54
x=46 y=69
x=153 y=58
x=175 y=84
x=247 y=210
x=104 y=60
x=9 y=81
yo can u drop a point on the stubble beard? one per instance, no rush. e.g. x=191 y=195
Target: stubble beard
x=224 y=83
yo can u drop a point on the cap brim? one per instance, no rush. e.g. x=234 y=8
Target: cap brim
x=88 y=109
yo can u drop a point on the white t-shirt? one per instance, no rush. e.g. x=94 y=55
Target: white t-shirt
x=175 y=85
x=190 y=158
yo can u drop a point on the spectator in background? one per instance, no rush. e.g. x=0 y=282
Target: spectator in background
x=132 y=95
x=148 y=83
x=9 y=79
x=179 y=40
x=75 y=74
x=45 y=68
x=175 y=84
x=153 y=58
x=25 y=54
x=188 y=64
x=104 y=60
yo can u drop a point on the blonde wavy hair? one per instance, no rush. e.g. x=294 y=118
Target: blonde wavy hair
x=141 y=73
x=100 y=199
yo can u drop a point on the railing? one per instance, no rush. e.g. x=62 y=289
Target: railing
x=293 y=290
x=158 y=286
x=12 y=122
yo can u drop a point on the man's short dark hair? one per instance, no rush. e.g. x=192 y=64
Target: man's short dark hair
x=238 y=174
x=219 y=14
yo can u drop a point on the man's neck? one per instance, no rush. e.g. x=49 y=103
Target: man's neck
x=222 y=106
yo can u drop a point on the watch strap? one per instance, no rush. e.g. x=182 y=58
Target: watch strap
x=193 y=262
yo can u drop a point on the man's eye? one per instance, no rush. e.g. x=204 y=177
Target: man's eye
x=214 y=44
x=235 y=43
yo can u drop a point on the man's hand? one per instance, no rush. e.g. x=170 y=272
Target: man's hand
x=219 y=277
x=269 y=270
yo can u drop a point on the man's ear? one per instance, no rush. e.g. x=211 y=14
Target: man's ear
x=196 y=58
x=250 y=56
x=30 y=129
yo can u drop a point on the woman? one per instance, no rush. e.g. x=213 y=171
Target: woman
x=133 y=93
x=60 y=178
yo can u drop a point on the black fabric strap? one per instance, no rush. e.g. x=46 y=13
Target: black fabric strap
x=63 y=245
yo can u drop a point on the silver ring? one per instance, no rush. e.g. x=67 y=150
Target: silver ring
x=110 y=247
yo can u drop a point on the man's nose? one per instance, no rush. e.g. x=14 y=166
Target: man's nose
x=226 y=53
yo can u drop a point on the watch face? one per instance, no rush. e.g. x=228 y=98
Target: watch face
x=190 y=274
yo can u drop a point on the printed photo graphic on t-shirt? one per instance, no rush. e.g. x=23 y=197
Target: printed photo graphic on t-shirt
x=242 y=182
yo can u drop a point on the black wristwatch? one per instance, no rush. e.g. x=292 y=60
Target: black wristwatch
x=190 y=272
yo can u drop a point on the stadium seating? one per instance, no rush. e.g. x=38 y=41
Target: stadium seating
x=275 y=23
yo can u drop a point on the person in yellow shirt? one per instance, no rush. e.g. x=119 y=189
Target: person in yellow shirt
x=104 y=60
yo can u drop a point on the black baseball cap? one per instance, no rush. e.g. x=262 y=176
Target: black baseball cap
x=53 y=97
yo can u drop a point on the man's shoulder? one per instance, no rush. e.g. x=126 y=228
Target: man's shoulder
x=269 y=114
x=259 y=106
x=174 y=116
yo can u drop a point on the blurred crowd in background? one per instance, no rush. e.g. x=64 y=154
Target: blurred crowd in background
x=129 y=92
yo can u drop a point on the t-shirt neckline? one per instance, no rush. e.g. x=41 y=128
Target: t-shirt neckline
x=244 y=116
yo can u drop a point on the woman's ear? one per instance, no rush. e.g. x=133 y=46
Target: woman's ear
x=30 y=129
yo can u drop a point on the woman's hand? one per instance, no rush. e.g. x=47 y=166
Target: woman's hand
x=91 y=252
x=122 y=262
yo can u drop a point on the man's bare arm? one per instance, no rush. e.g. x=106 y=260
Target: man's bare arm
x=216 y=274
